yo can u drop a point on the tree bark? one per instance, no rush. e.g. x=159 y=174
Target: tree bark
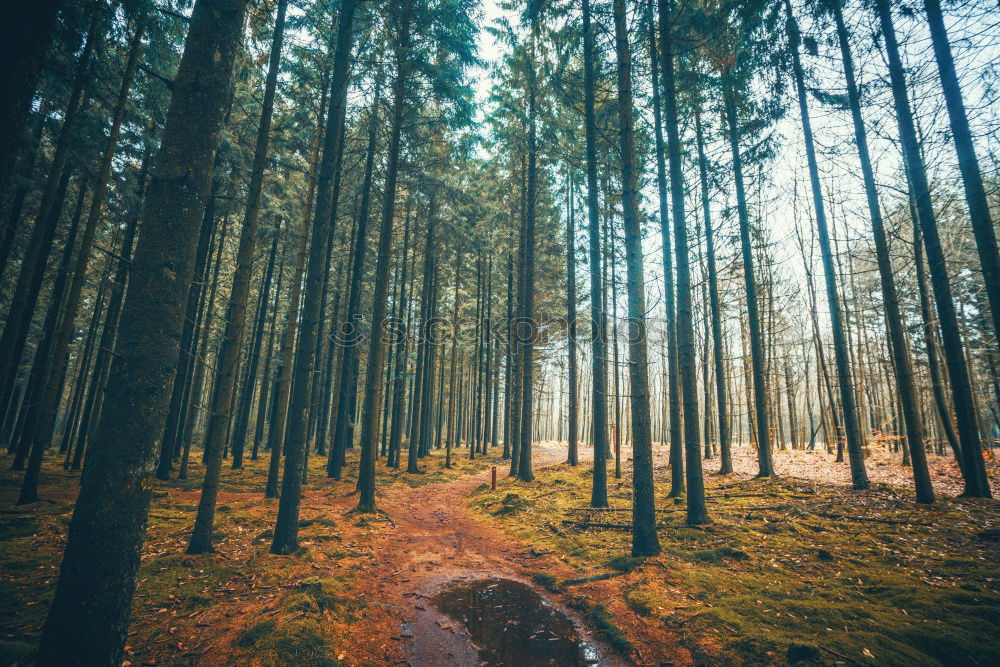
x=286 y=529
x=88 y=620
x=347 y=384
x=968 y=164
x=697 y=514
x=644 y=539
x=376 y=348
x=572 y=456
x=598 y=337
x=718 y=346
x=859 y=476
x=765 y=466
x=902 y=363
x=669 y=305
x=242 y=424
x=974 y=469
x=399 y=381
x=229 y=351
x=525 y=471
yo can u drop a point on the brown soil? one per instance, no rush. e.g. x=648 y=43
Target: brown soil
x=427 y=539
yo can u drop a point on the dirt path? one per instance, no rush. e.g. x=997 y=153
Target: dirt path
x=433 y=539
x=201 y=609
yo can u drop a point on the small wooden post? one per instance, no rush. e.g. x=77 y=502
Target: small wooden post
x=493 y=482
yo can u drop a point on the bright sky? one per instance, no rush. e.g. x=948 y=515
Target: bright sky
x=489 y=51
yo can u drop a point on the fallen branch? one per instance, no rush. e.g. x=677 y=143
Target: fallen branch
x=554 y=529
x=586 y=580
x=891 y=522
x=621 y=509
x=755 y=508
x=597 y=524
x=840 y=655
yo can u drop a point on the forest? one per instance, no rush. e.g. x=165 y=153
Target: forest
x=500 y=332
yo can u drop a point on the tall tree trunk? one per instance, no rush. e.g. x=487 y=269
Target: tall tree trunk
x=399 y=381
x=477 y=388
x=968 y=164
x=88 y=619
x=423 y=369
x=454 y=354
x=673 y=395
x=525 y=471
x=286 y=529
x=974 y=469
x=376 y=349
x=488 y=351
x=516 y=333
x=242 y=422
x=616 y=434
x=194 y=408
x=283 y=374
x=347 y=384
x=859 y=476
x=765 y=466
x=229 y=351
x=644 y=539
x=508 y=365
x=697 y=514
x=902 y=363
x=937 y=379
x=330 y=355
x=718 y=351
x=572 y=456
x=67 y=432
x=264 y=401
x=173 y=431
x=427 y=392
x=598 y=337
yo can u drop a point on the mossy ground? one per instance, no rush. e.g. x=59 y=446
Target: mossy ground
x=778 y=575
x=241 y=602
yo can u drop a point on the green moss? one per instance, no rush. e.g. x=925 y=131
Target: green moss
x=625 y=563
x=295 y=642
x=252 y=635
x=599 y=617
x=512 y=504
x=301 y=642
x=644 y=601
x=187 y=582
x=546 y=581
x=326 y=594
x=745 y=590
x=16 y=653
x=717 y=554
x=16 y=527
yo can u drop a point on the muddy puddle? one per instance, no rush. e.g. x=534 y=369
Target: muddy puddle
x=511 y=624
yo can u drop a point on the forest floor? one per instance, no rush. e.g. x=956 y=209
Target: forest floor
x=793 y=569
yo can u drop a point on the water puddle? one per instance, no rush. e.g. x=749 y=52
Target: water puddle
x=511 y=624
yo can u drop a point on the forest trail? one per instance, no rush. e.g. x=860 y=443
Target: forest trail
x=431 y=539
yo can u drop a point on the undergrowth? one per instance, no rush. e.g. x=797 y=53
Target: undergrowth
x=179 y=596
x=787 y=570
